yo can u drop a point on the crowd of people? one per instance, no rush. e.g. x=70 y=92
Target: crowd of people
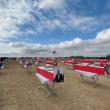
x=26 y=62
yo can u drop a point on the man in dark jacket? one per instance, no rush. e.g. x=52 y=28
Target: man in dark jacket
x=106 y=70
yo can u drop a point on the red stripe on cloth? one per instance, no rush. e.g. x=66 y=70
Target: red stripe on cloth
x=92 y=69
x=68 y=62
x=101 y=64
x=50 y=62
x=85 y=61
x=45 y=73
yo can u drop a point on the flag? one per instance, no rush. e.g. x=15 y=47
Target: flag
x=54 y=51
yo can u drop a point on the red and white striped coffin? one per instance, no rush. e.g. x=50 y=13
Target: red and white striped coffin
x=89 y=69
x=68 y=62
x=44 y=75
x=36 y=62
x=49 y=63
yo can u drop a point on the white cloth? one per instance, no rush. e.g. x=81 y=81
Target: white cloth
x=2 y=67
x=87 y=74
x=25 y=66
x=42 y=79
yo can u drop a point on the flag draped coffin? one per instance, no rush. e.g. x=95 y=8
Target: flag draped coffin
x=44 y=75
x=49 y=62
x=85 y=61
x=91 y=69
x=68 y=62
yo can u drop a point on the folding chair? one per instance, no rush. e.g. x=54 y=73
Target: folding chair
x=48 y=78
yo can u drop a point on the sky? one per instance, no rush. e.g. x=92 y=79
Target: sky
x=71 y=27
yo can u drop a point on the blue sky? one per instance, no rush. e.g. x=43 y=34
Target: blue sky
x=37 y=27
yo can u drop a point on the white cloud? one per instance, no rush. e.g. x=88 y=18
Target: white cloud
x=49 y=4
x=12 y=14
x=72 y=43
x=81 y=23
x=18 y=12
x=76 y=46
x=103 y=36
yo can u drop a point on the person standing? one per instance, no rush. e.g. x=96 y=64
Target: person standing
x=55 y=63
x=106 y=70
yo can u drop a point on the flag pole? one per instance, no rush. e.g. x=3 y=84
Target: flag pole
x=54 y=52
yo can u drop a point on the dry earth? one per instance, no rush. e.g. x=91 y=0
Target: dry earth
x=19 y=90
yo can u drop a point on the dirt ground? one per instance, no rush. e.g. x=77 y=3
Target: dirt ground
x=19 y=90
